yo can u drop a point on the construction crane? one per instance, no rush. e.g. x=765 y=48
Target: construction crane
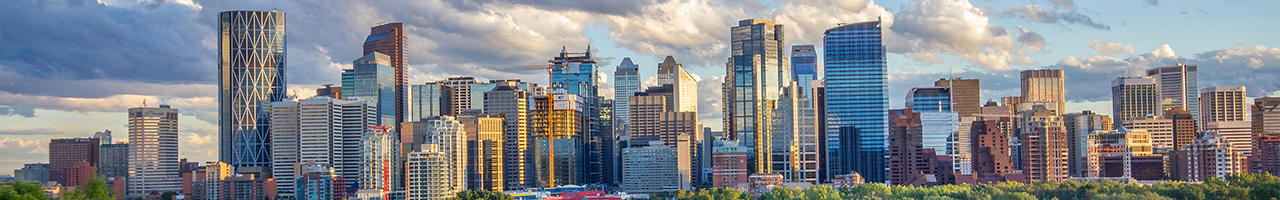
x=550 y=69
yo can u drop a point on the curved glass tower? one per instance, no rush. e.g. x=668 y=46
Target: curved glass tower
x=251 y=75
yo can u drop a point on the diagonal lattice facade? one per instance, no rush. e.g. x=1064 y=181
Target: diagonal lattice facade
x=251 y=75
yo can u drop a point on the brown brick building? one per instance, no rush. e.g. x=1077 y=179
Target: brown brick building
x=63 y=153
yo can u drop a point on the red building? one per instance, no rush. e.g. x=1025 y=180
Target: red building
x=990 y=148
x=77 y=174
x=729 y=165
x=65 y=152
x=248 y=186
x=1266 y=154
x=909 y=162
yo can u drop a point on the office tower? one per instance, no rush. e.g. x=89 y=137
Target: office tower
x=373 y=79
x=1044 y=145
x=153 y=150
x=656 y=167
x=910 y=161
x=929 y=99
x=1236 y=132
x=785 y=137
x=1266 y=154
x=655 y=117
x=1134 y=97
x=461 y=96
x=379 y=162
x=430 y=175
x=600 y=144
x=318 y=130
x=990 y=147
x=329 y=91
x=807 y=138
x=1178 y=84
x=804 y=68
x=38 y=172
x=1120 y=143
x=389 y=39
x=940 y=122
x=251 y=75
x=113 y=160
x=1163 y=137
x=856 y=104
x=684 y=87
x=1078 y=127
x=626 y=82
x=755 y=73
x=1211 y=155
x=965 y=95
x=447 y=135
x=1184 y=126
x=1011 y=102
x=820 y=127
x=67 y=151
x=1265 y=116
x=1222 y=104
x=429 y=100
x=1044 y=85
x=318 y=182
x=575 y=72
x=558 y=126
x=485 y=136
x=729 y=164
x=512 y=103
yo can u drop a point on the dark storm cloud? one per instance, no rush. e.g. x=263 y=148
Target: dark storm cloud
x=27 y=112
x=1036 y=13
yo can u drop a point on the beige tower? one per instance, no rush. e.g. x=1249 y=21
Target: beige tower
x=1044 y=85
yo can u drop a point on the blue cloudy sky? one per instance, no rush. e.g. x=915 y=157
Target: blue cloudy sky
x=69 y=68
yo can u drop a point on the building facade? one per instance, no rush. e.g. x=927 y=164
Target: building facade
x=1134 y=97
x=67 y=151
x=429 y=100
x=755 y=73
x=1078 y=127
x=485 y=135
x=372 y=79
x=430 y=175
x=1211 y=155
x=1265 y=115
x=1121 y=143
x=38 y=172
x=626 y=82
x=251 y=74
x=1222 y=104
x=559 y=123
x=514 y=104
x=965 y=93
x=153 y=150
x=380 y=166
x=113 y=160
x=389 y=39
x=856 y=104
x=1044 y=140
x=1178 y=84
x=318 y=130
x=729 y=164
x=656 y=167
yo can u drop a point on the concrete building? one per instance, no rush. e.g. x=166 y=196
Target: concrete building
x=1222 y=104
x=113 y=160
x=484 y=151
x=656 y=168
x=989 y=141
x=153 y=150
x=684 y=86
x=655 y=116
x=329 y=91
x=1078 y=127
x=1120 y=143
x=1184 y=126
x=729 y=164
x=77 y=174
x=1044 y=85
x=758 y=64
x=1134 y=97
x=429 y=100
x=215 y=173
x=380 y=166
x=372 y=79
x=1266 y=154
x=965 y=94
x=38 y=172
x=910 y=161
x=389 y=39
x=251 y=75
x=318 y=130
x=431 y=175
x=1265 y=115
x=67 y=151
x=804 y=68
x=1178 y=84
x=1236 y=132
x=1211 y=155
x=513 y=103
x=1161 y=130
x=447 y=135
x=461 y=93
x=1044 y=143
x=856 y=100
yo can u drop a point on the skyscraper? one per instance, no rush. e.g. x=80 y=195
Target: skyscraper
x=251 y=75
x=755 y=74
x=153 y=150
x=63 y=153
x=389 y=39
x=372 y=79
x=1134 y=98
x=429 y=174
x=1266 y=116
x=512 y=103
x=429 y=100
x=965 y=94
x=575 y=72
x=626 y=82
x=1178 y=84
x=461 y=96
x=558 y=126
x=856 y=105
x=1222 y=104
x=316 y=130
x=804 y=68
x=930 y=99
x=485 y=135
x=447 y=135
x=1078 y=126
x=684 y=87
x=1044 y=145
x=113 y=160
x=379 y=162
x=1044 y=85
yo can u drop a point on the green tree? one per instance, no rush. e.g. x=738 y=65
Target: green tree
x=22 y=190
x=481 y=195
x=95 y=189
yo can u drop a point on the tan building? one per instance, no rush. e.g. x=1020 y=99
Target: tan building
x=1161 y=131
x=1212 y=156
x=153 y=151
x=1122 y=143
x=1222 y=104
x=485 y=135
x=965 y=95
x=1044 y=85
x=1044 y=145
x=1184 y=126
x=511 y=102
x=1266 y=116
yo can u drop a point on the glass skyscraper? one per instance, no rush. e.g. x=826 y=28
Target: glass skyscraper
x=372 y=79
x=929 y=99
x=755 y=74
x=856 y=105
x=804 y=68
x=940 y=125
x=251 y=75
x=626 y=82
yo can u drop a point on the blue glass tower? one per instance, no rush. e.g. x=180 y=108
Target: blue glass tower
x=372 y=79
x=251 y=75
x=804 y=67
x=929 y=99
x=856 y=105
x=754 y=76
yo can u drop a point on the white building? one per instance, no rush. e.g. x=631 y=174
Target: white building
x=1238 y=133
x=1161 y=130
x=1134 y=97
x=153 y=151
x=380 y=167
x=655 y=168
x=430 y=174
x=320 y=130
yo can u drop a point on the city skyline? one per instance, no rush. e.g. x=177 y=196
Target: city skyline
x=91 y=97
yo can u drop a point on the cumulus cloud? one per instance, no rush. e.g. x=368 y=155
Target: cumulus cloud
x=1038 y=14
x=695 y=29
x=204 y=108
x=19 y=150
x=1252 y=67
x=17 y=111
x=709 y=105
x=955 y=27
x=1030 y=39
x=1109 y=47
x=805 y=21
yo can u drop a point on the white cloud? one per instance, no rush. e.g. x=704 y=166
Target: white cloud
x=1109 y=47
x=955 y=27
x=696 y=29
x=1030 y=39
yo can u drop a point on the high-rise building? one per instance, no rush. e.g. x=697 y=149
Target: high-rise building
x=1211 y=155
x=1134 y=97
x=626 y=82
x=729 y=164
x=1178 y=84
x=251 y=75
x=461 y=96
x=329 y=91
x=785 y=136
x=1265 y=114
x=1184 y=126
x=939 y=121
x=656 y=167
x=113 y=160
x=574 y=72
x=684 y=87
x=67 y=151
x=513 y=103
x=930 y=99
x=153 y=150
x=318 y=182
x=1163 y=137
x=601 y=144
x=318 y=130
x=1266 y=154
x=379 y=162
x=910 y=161
x=373 y=79
x=1078 y=127
x=558 y=125
x=989 y=141
x=430 y=175
x=1044 y=85
x=38 y=172
x=1222 y=104
x=1044 y=143
x=389 y=39
x=485 y=136
x=856 y=102
x=804 y=68
x=429 y=100
x=215 y=173
x=447 y=135
x=965 y=95
x=1236 y=132
x=1120 y=143
x=755 y=73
